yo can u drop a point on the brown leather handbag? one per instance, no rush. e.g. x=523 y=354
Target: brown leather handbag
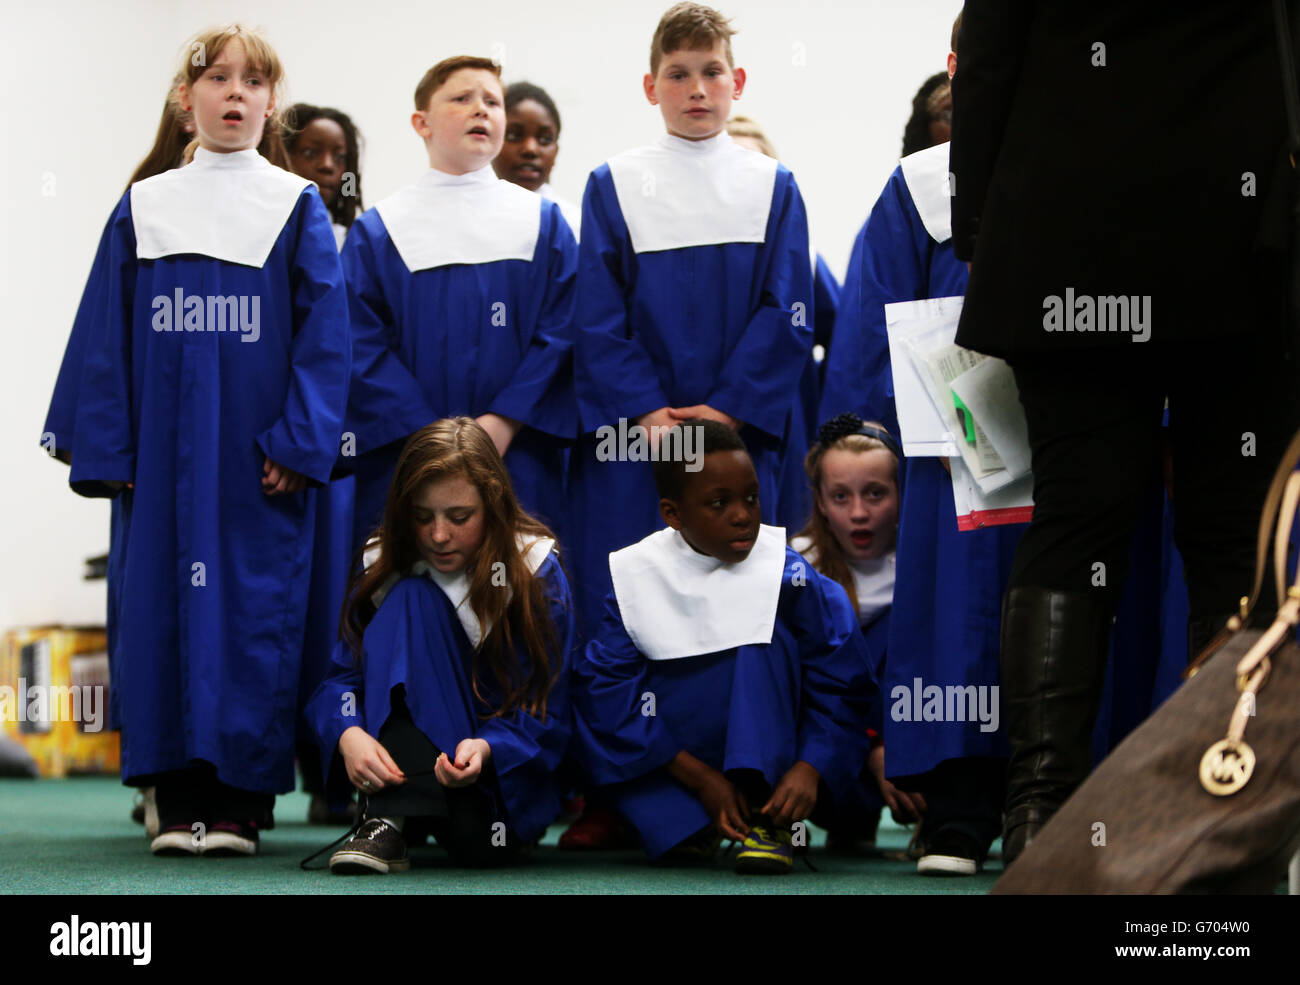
x=1204 y=796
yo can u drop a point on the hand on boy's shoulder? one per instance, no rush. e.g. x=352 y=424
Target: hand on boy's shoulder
x=705 y=412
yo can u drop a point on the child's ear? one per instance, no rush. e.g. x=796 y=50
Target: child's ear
x=420 y=125
x=668 y=510
x=183 y=97
x=738 y=77
x=648 y=83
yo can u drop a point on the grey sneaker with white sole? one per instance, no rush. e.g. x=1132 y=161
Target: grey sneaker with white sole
x=377 y=846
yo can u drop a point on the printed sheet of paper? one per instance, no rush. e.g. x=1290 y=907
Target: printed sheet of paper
x=924 y=431
x=989 y=389
x=975 y=508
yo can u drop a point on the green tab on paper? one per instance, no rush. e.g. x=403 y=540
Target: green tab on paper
x=966 y=417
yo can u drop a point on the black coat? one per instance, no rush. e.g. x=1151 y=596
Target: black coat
x=1119 y=179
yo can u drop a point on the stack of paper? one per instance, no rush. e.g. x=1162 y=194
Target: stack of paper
x=961 y=405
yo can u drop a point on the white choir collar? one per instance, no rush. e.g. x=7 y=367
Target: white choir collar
x=678 y=193
x=230 y=207
x=446 y=219
x=456 y=586
x=676 y=602
x=926 y=174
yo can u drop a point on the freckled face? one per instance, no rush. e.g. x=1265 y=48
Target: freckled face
x=447 y=517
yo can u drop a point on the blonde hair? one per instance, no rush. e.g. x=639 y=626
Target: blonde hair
x=830 y=559
x=204 y=48
x=744 y=126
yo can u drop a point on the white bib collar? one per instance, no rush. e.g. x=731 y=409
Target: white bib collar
x=676 y=602
x=445 y=219
x=677 y=193
x=230 y=207
x=926 y=174
x=456 y=586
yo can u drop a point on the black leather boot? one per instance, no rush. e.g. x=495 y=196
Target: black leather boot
x=1054 y=648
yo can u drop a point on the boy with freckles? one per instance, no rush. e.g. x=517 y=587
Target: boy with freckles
x=728 y=691
x=461 y=294
x=693 y=293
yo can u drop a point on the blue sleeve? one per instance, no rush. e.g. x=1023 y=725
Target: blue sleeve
x=890 y=262
x=306 y=437
x=840 y=699
x=337 y=704
x=826 y=303
x=385 y=402
x=540 y=394
x=105 y=452
x=613 y=740
x=526 y=750
x=613 y=374
x=57 y=436
x=759 y=382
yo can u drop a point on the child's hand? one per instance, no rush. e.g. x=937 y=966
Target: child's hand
x=661 y=418
x=369 y=766
x=471 y=756
x=501 y=430
x=707 y=413
x=278 y=479
x=905 y=807
x=725 y=805
x=794 y=797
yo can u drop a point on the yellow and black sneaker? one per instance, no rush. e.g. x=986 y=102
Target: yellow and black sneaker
x=767 y=849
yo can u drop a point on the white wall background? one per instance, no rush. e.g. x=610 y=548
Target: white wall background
x=83 y=83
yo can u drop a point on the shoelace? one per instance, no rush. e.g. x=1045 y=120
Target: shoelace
x=357 y=824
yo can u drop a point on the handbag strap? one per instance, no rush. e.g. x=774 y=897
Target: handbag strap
x=1272 y=526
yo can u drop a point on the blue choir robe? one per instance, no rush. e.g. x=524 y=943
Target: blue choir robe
x=945 y=624
x=794 y=496
x=221 y=340
x=754 y=665
x=945 y=621
x=57 y=438
x=874 y=586
x=461 y=295
x=420 y=638
x=331 y=565
x=694 y=287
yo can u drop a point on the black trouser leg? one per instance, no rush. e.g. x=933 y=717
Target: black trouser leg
x=182 y=798
x=461 y=819
x=966 y=795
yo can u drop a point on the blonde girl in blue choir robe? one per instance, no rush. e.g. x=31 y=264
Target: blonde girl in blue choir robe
x=211 y=402
x=851 y=538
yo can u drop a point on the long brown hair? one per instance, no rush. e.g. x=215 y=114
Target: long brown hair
x=830 y=559
x=169 y=142
x=515 y=613
x=203 y=49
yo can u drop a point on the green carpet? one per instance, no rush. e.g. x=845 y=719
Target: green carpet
x=76 y=836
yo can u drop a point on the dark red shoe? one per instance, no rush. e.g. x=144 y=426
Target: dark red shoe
x=599 y=829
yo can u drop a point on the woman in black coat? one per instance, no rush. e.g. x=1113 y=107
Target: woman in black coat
x=1122 y=189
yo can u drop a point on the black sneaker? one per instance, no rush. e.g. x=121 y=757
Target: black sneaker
x=951 y=853
x=377 y=846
